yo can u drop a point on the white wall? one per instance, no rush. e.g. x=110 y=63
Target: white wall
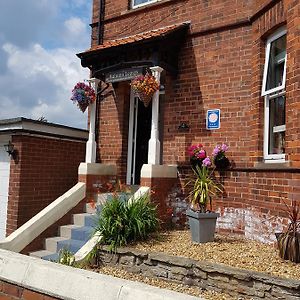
x=4 y=183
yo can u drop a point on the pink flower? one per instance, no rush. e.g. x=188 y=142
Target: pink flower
x=206 y=162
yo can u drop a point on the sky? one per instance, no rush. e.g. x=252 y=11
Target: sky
x=39 y=40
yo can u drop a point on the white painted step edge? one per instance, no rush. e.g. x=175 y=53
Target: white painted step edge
x=25 y=234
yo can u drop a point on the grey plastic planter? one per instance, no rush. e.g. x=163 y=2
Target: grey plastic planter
x=202 y=225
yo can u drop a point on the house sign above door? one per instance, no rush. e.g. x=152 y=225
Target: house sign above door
x=123 y=74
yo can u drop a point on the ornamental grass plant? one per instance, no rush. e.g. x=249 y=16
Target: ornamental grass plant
x=203 y=187
x=122 y=221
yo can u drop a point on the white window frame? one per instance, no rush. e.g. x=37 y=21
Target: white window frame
x=271 y=157
x=142 y=4
x=276 y=35
x=271 y=94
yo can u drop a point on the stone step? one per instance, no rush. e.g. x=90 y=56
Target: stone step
x=40 y=253
x=70 y=245
x=51 y=243
x=82 y=233
x=66 y=230
x=85 y=219
x=51 y=257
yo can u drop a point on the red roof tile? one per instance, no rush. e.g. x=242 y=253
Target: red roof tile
x=136 y=38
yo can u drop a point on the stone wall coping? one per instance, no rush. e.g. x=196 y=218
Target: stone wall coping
x=209 y=267
x=97 y=169
x=158 y=171
x=70 y=283
x=25 y=234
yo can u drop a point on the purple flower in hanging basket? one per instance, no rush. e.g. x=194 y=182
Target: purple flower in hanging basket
x=83 y=95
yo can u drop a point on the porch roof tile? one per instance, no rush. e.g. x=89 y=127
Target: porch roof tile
x=147 y=35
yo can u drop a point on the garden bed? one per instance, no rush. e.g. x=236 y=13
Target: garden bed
x=231 y=250
x=229 y=265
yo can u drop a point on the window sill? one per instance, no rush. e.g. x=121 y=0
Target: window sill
x=275 y=164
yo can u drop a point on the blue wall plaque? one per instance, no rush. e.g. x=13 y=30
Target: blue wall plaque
x=213 y=119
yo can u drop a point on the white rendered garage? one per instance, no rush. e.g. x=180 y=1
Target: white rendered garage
x=4 y=183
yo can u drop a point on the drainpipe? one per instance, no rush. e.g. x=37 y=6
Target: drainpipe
x=101 y=21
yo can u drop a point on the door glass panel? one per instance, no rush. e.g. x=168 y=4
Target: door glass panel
x=277 y=125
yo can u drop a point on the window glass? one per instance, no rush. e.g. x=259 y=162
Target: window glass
x=139 y=2
x=276 y=63
x=277 y=125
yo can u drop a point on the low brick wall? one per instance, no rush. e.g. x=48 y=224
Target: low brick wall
x=209 y=276
x=10 y=291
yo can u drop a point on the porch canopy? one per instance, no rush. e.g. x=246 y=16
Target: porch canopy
x=132 y=54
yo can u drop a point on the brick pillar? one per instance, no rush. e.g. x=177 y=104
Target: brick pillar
x=97 y=177
x=161 y=179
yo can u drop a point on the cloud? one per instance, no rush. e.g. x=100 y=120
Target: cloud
x=38 y=66
x=75 y=32
x=39 y=83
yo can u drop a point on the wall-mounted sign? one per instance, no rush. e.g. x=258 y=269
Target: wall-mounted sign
x=123 y=74
x=213 y=119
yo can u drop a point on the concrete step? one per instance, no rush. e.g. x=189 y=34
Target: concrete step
x=66 y=230
x=51 y=257
x=85 y=219
x=82 y=233
x=40 y=253
x=51 y=243
x=71 y=245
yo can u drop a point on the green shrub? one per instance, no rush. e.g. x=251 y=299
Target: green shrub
x=123 y=221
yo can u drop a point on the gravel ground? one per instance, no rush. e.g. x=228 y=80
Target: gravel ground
x=194 y=291
x=230 y=250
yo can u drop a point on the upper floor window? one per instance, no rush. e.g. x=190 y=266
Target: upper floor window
x=139 y=3
x=275 y=64
x=273 y=88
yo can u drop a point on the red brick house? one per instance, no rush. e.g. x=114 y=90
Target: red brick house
x=241 y=57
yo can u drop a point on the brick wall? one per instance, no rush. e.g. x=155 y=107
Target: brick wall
x=220 y=66
x=45 y=169
x=9 y=291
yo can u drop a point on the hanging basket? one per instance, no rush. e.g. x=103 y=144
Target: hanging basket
x=83 y=95
x=144 y=86
x=146 y=99
x=83 y=106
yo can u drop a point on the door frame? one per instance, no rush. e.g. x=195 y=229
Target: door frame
x=131 y=153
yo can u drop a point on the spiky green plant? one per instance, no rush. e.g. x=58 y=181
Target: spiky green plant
x=121 y=221
x=202 y=187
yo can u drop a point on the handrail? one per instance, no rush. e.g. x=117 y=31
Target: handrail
x=25 y=234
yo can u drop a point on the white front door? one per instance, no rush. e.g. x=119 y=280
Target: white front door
x=4 y=183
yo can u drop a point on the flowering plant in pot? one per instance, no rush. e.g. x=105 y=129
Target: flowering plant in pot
x=289 y=241
x=144 y=86
x=203 y=186
x=83 y=95
x=197 y=155
x=219 y=157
